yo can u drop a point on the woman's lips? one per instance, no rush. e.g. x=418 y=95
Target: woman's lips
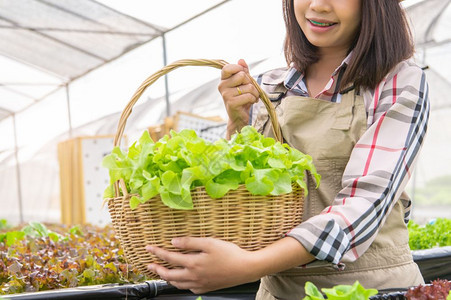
x=321 y=26
x=321 y=23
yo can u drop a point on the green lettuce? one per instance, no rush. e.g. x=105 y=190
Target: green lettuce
x=339 y=292
x=176 y=164
x=436 y=233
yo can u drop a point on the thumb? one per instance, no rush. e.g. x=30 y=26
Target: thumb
x=192 y=243
x=243 y=63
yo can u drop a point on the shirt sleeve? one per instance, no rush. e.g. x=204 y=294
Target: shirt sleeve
x=378 y=169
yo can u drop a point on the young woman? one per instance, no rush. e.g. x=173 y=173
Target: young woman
x=353 y=99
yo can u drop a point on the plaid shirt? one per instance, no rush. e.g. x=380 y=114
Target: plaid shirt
x=379 y=166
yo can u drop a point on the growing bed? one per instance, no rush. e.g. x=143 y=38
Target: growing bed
x=97 y=262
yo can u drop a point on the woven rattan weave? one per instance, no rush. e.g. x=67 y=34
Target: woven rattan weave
x=250 y=221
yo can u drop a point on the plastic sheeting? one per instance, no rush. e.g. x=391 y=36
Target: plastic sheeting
x=97 y=97
x=65 y=39
x=427 y=17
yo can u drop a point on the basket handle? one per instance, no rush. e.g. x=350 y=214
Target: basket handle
x=183 y=63
x=192 y=62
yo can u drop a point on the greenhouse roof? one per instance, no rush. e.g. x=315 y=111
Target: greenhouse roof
x=425 y=17
x=47 y=44
x=50 y=43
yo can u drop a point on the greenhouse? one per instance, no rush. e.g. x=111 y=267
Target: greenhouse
x=81 y=78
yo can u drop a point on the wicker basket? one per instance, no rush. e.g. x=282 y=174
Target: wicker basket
x=252 y=222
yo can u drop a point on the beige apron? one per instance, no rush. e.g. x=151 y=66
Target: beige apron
x=328 y=132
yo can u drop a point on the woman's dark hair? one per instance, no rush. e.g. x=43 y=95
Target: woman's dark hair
x=383 y=41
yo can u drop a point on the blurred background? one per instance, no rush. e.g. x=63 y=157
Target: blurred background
x=68 y=68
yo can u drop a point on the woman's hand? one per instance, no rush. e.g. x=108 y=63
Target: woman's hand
x=216 y=264
x=238 y=93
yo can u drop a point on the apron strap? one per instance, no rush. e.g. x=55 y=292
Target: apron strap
x=346 y=106
x=278 y=93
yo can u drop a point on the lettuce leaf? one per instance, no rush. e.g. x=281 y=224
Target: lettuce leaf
x=339 y=292
x=174 y=165
x=436 y=233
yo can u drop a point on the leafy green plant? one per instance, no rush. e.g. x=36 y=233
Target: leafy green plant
x=4 y=224
x=436 y=233
x=33 y=230
x=173 y=166
x=82 y=255
x=36 y=229
x=339 y=292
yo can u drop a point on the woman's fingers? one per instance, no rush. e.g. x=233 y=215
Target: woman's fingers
x=243 y=63
x=181 y=278
x=187 y=243
x=174 y=258
x=199 y=244
x=240 y=90
x=213 y=264
x=180 y=274
x=230 y=70
x=236 y=79
x=238 y=93
x=243 y=101
x=249 y=88
x=246 y=88
x=193 y=286
x=235 y=74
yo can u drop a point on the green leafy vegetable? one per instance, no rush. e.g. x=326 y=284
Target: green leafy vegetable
x=312 y=292
x=31 y=260
x=11 y=237
x=4 y=224
x=436 y=233
x=339 y=292
x=173 y=166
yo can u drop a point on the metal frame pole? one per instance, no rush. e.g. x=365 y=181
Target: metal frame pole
x=166 y=82
x=69 y=121
x=18 y=177
x=69 y=117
